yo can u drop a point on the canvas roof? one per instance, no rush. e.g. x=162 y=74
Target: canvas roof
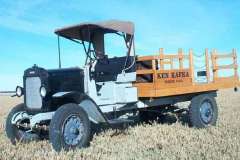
x=82 y=31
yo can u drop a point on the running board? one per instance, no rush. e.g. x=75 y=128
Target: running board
x=119 y=121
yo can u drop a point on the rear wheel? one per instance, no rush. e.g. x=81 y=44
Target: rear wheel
x=15 y=133
x=203 y=111
x=69 y=128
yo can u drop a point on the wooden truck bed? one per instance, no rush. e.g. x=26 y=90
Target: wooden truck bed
x=173 y=74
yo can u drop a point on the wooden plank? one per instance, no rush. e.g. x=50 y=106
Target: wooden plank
x=195 y=88
x=219 y=84
x=146 y=58
x=167 y=62
x=145 y=89
x=224 y=79
x=173 y=83
x=230 y=66
x=173 y=78
x=174 y=56
x=170 y=56
x=144 y=71
x=230 y=55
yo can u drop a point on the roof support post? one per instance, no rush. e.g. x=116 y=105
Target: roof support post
x=59 y=53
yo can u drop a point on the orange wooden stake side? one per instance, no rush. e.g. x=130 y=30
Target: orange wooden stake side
x=156 y=79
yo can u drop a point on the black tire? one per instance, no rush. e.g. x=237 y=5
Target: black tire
x=201 y=119
x=57 y=127
x=13 y=132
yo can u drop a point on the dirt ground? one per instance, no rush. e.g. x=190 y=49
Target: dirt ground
x=157 y=141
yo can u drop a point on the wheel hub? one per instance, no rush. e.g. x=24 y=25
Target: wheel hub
x=206 y=112
x=73 y=130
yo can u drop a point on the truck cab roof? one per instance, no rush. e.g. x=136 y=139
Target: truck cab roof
x=93 y=34
x=81 y=31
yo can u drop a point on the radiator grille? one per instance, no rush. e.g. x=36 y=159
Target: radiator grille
x=33 y=98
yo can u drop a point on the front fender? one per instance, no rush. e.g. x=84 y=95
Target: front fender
x=93 y=111
x=84 y=101
x=73 y=95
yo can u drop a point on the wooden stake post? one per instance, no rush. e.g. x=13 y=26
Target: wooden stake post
x=207 y=66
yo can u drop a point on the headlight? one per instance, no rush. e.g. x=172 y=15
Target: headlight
x=19 y=91
x=43 y=91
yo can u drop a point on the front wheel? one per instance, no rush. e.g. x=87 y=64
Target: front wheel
x=69 y=128
x=203 y=111
x=15 y=133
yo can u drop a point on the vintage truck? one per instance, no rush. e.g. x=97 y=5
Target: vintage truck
x=63 y=104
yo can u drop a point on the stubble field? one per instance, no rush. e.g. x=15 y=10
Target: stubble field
x=156 y=141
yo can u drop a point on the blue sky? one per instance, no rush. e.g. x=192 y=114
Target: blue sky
x=27 y=38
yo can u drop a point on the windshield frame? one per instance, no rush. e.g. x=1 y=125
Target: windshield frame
x=90 y=51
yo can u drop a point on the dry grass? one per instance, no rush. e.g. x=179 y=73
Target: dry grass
x=157 y=141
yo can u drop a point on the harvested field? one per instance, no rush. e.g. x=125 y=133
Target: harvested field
x=157 y=141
